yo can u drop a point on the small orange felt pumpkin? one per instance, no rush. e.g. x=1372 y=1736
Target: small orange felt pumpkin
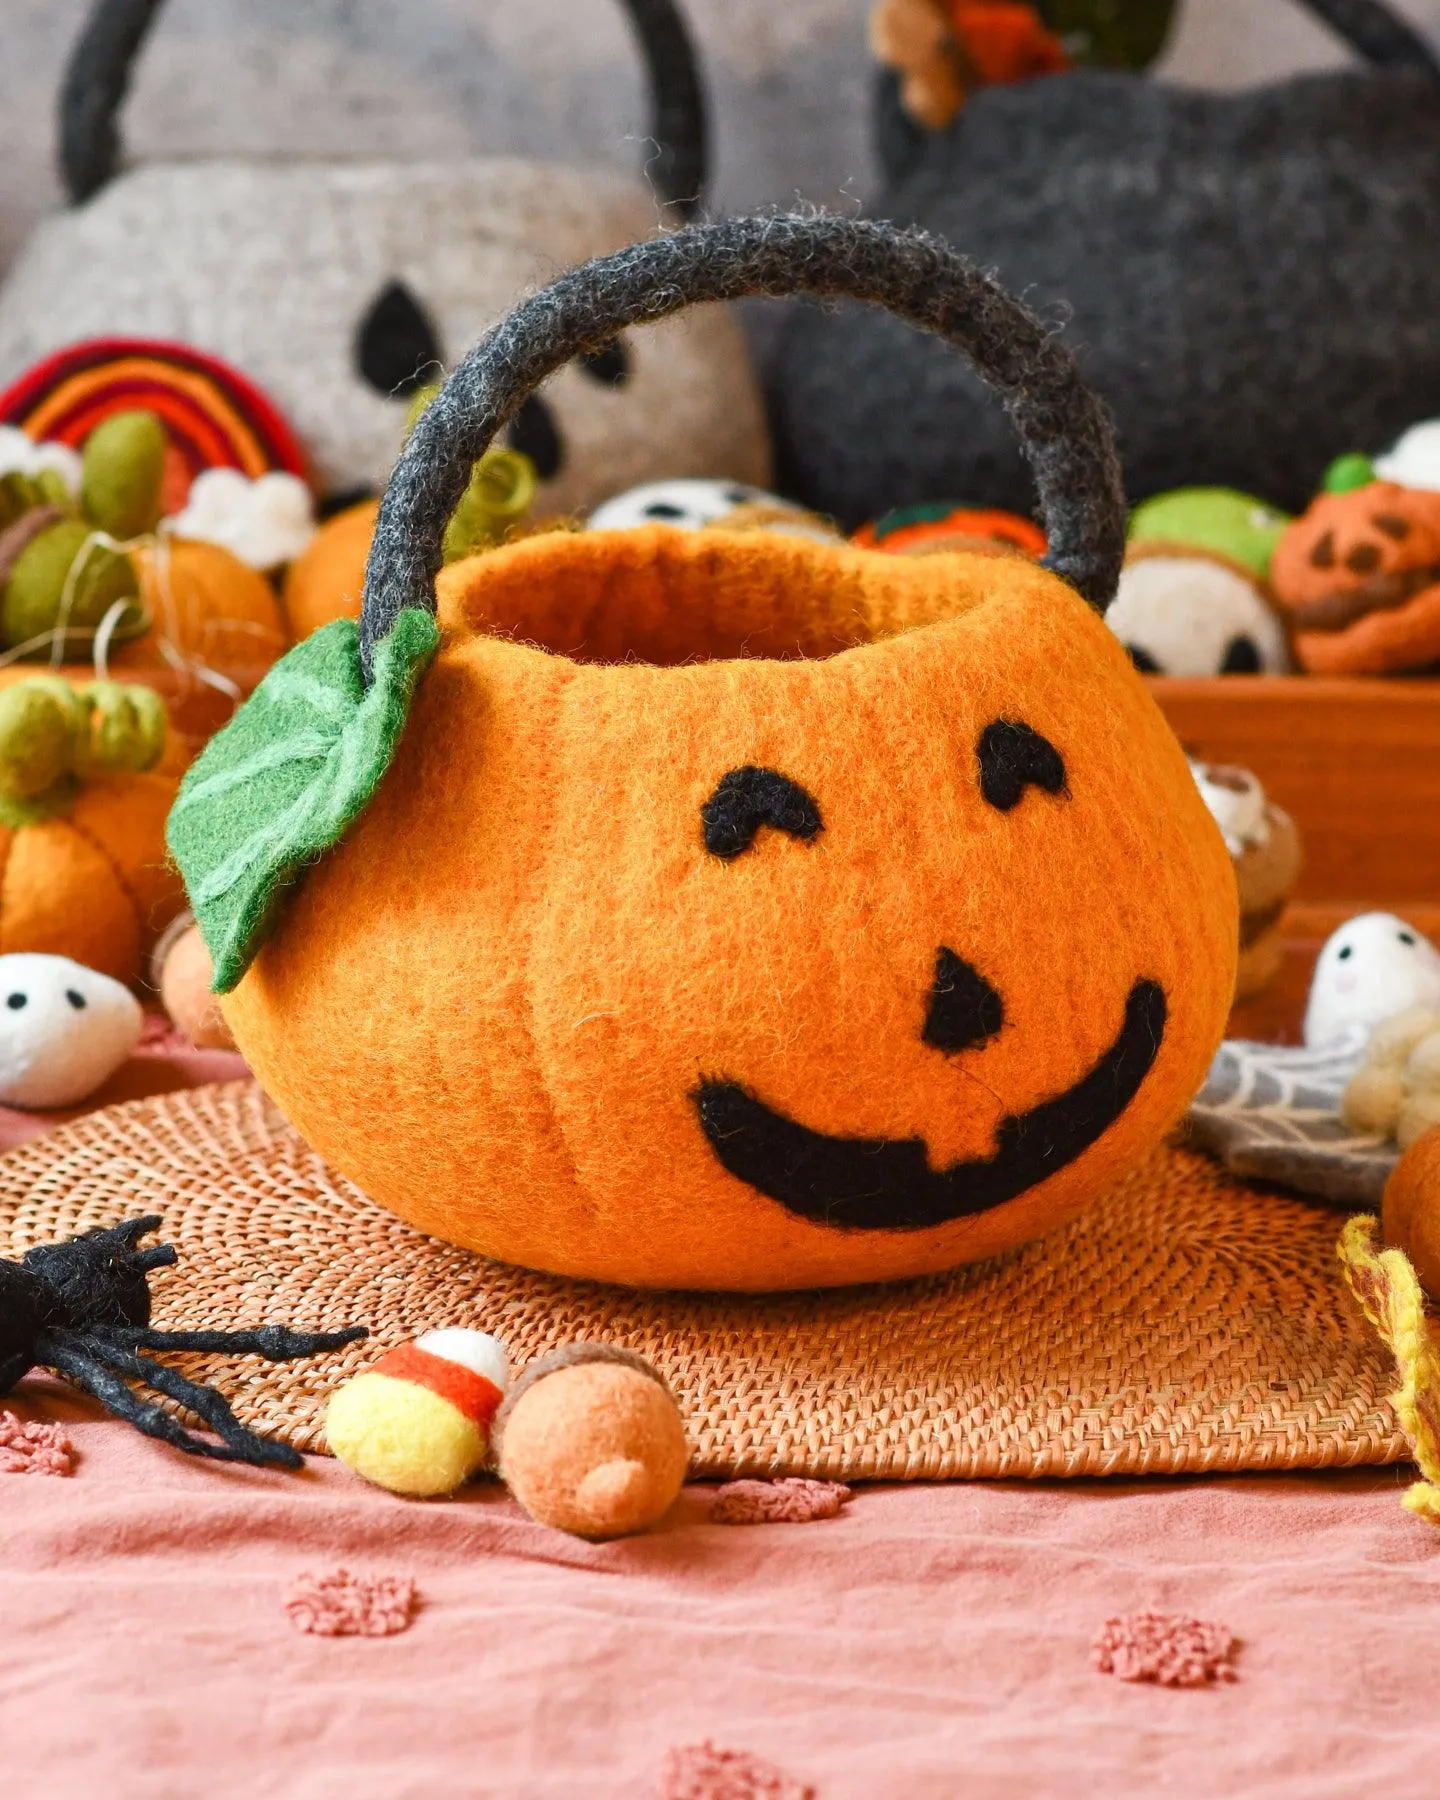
x=209 y=606
x=326 y=580
x=83 y=869
x=1358 y=576
x=926 y=530
x=817 y=916
x=1410 y=1210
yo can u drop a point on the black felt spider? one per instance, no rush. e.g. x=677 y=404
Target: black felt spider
x=82 y=1308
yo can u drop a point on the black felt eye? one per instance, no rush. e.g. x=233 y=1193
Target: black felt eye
x=16 y=1002
x=1406 y=937
x=76 y=1000
x=964 y=1011
x=1143 y=660
x=609 y=364
x=662 y=509
x=1345 y=952
x=1014 y=756
x=534 y=433
x=748 y=798
x=1242 y=657
x=397 y=349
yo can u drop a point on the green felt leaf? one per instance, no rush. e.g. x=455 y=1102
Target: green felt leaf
x=287 y=777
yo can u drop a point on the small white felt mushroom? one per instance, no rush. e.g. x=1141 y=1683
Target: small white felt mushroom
x=1414 y=458
x=1373 y=967
x=64 y=1029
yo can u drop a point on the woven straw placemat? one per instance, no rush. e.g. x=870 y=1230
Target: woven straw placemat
x=1186 y=1324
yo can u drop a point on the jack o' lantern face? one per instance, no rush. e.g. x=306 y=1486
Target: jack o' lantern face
x=889 y=1184
x=851 y=952
x=1359 y=576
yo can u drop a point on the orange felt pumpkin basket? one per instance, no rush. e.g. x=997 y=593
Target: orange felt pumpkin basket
x=722 y=910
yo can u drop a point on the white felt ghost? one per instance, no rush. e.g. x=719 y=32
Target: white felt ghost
x=1372 y=968
x=1414 y=458
x=691 y=503
x=64 y=1029
x=1187 y=614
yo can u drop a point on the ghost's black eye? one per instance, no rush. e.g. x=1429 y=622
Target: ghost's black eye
x=1406 y=937
x=1344 y=953
x=663 y=509
x=1143 y=660
x=397 y=349
x=1242 y=657
x=534 y=433
x=1014 y=756
x=77 y=1000
x=748 y=798
x=17 y=1002
x=609 y=364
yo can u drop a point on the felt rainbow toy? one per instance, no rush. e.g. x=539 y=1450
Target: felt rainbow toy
x=213 y=416
x=418 y=1422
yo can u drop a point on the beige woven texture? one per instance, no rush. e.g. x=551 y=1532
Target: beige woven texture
x=1187 y=1324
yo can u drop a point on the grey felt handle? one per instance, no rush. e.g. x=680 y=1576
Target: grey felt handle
x=97 y=78
x=1376 y=32
x=1063 y=427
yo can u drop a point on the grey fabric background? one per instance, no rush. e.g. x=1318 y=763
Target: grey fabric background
x=548 y=78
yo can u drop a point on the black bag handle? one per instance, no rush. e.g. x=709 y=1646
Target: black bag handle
x=1062 y=424
x=97 y=78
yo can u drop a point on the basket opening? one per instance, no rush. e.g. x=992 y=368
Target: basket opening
x=665 y=596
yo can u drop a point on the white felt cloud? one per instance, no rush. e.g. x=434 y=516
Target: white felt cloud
x=1373 y=967
x=20 y=454
x=64 y=1029
x=265 y=522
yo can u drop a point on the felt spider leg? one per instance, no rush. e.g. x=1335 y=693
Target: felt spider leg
x=207 y=1403
x=84 y=1361
x=276 y=1343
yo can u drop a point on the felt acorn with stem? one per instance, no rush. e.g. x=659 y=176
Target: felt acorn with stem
x=783 y=913
x=82 y=822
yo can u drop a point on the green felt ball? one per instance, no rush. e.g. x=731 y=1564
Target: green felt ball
x=121 y=469
x=31 y=604
x=127 y=724
x=1211 y=518
x=1352 y=470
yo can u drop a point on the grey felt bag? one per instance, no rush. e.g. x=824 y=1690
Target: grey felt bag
x=339 y=286
x=1250 y=280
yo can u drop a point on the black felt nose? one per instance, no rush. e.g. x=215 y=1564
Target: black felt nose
x=965 y=1011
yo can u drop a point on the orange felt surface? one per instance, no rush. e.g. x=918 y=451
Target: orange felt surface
x=531 y=960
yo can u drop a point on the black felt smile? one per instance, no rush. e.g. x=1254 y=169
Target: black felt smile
x=887 y=1184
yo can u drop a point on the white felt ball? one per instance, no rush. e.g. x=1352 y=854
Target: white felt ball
x=1188 y=615
x=693 y=504
x=64 y=1029
x=1414 y=458
x=1372 y=968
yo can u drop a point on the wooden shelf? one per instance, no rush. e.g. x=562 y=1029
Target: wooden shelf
x=1356 y=763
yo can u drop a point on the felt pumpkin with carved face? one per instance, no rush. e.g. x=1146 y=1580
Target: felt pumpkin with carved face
x=1358 y=574
x=723 y=909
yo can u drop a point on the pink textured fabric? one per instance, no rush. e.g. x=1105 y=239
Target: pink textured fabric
x=931 y=1642
x=1173 y=1651
x=163 y=1063
x=30 y=1447
x=792 y=1501
x=703 y=1772
x=339 y=1604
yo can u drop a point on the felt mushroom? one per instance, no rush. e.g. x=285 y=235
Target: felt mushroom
x=1264 y=844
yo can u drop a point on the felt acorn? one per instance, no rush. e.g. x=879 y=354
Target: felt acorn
x=590 y=1441
x=181 y=971
x=418 y=1422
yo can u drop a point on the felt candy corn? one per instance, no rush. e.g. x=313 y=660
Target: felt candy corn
x=418 y=1422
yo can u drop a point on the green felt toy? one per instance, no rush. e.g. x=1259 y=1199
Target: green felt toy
x=56 y=572
x=1221 y=520
x=1348 y=472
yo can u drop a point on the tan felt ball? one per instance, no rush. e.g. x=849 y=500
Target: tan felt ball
x=591 y=1443
x=1410 y=1210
